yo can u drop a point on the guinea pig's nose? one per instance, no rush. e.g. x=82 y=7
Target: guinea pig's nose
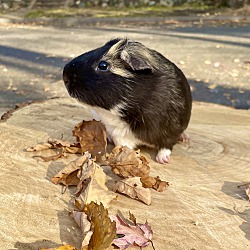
x=66 y=79
x=67 y=74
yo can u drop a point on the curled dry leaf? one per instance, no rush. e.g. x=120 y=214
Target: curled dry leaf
x=126 y=162
x=84 y=224
x=89 y=179
x=65 y=147
x=104 y=230
x=66 y=247
x=132 y=235
x=154 y=182
x=132 y=187
x=52 y=157
x=246 y=187
x=92 y=137
x=40 y=147
x=68 y=175
x=248 y=191
x=95 y=189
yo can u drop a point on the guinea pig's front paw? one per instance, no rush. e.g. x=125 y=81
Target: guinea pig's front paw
x=163 y=156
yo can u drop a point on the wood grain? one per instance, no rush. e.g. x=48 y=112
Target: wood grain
x=202 y=209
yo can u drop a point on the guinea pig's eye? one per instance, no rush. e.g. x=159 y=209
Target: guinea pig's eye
x=103 y=66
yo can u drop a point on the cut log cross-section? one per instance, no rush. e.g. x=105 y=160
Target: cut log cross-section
x=203 y=208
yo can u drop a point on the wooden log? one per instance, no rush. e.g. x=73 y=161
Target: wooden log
x=203 y=208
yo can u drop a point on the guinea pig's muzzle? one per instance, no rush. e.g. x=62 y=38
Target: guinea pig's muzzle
x=66 y=76
x=69 y=78
x=72 y=77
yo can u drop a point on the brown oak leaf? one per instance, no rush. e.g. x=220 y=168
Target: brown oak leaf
x=68 y=175
x=104 y=230
x=92 y=186
x=154 y=182
x=131 y=235
x=126 y=162
x=132 y=187
x=64 y=146
x=92 y=137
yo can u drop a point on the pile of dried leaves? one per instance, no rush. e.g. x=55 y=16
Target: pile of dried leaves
x=92 y=196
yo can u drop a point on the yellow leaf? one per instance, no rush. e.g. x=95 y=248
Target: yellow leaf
x=66 y=247
x=104 y=231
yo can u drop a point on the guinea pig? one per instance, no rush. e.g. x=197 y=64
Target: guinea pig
x=141 y=97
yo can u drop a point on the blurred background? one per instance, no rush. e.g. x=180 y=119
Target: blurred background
x=15 y=4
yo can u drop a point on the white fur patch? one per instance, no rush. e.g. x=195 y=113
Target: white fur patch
x=163 y=155
x=117 y=129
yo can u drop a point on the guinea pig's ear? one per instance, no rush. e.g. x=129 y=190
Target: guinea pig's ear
x=136 y=61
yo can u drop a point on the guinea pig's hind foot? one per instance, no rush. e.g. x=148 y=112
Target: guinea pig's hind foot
x=184 y=137
x=163 y=156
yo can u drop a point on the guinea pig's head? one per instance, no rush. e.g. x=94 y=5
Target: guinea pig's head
x=109 y=75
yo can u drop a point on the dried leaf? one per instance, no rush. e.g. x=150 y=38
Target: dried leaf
x=92 y=137
x=68 y=175
x=84 y=224
x=246 y=187
x=154 y=182
x=132 y=218
x=133 y=235
x=66 y=247
x=133 y=188
x=57 y=144
x=160 y=185
x=104 y=230
x=73 y=148
x=126 y=162
x=95 y=189
x=52 y=157
x=248 y=191
x=40 y=147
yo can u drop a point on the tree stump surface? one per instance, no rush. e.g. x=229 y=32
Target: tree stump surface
x=203 y=208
